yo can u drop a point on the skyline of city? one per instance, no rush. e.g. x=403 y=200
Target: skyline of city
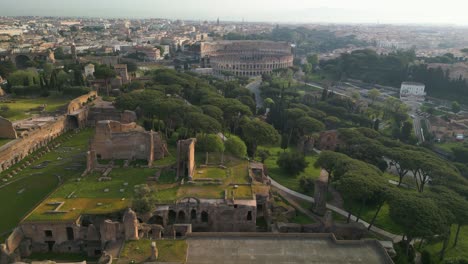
x=295 y=11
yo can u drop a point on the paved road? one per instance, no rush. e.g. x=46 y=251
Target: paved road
x=254 y=87
x=393 y=237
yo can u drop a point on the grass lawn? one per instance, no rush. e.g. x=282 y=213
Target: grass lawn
x=291 y=182
x=92 y=196
x=211 y=173
x=140 y=251
x=122 y=179
x=302 y=219
x=30 y=186
x=20 y=108
x=3 y=141
x=458 y=252
x=383 y=219
x=167 y=176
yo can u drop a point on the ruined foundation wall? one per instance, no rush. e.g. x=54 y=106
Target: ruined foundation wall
x=114 y=140
x=77 y=103
x=210 y=216
x=18 y=149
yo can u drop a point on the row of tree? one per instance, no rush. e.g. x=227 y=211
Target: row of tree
x=423 y=215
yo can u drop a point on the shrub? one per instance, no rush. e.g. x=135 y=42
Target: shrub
x=307 y=184
x=236 y=146
x=426 y=257
x=292 y=162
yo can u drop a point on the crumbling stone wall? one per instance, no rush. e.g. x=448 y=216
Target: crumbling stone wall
x=32 y=140
x=78 y=110
x=186 y=158
x=209 y=215
x=320 y=193
x=6 y=129
x=114 y=140
x=78 y=103
x=102 y=110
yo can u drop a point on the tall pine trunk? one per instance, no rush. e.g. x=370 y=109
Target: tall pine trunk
x=445 y=245
x=375 y=216
x=456 y=235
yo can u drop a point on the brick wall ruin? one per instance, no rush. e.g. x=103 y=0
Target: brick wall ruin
x=34 y=133
x=31 y=140
x=186 y=157
x=214 y=215
x=114 y=140
x=102 y=110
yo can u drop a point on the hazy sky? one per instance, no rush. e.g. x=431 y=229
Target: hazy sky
x=357 y=11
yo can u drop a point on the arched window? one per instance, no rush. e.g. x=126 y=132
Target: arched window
x=204 y=217
x=193 y=214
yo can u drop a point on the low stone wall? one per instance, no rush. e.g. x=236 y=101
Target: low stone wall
x=16 y=150
x=79 y=102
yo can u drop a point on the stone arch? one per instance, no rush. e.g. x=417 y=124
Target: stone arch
x=181 y=217
x=172 y=215
x=21 y=61
x=193 y=214
x=156 y=219
x=204 y=217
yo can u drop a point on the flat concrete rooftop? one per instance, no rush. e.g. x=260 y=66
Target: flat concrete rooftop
x=281 y=248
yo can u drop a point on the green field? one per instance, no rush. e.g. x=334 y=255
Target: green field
x=291 y=182
x=30 y=186
x=91 y=196
x=22 y=108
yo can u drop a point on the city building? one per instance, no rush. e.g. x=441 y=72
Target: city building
x=121 y=70
x=89 y=70
x=412 y=89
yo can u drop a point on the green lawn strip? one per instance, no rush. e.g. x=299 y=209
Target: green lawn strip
x=167 y=176
x=33 y=185
x=383 y=219
x=169 y=160
x=3 y=141
x=211 y=173
x=20 y=107
x=91 y=187
x=140 y=251
x=459 y=252
x=239 y=173
x=35 y=188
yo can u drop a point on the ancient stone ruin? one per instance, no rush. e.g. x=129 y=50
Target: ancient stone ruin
x=115 y=140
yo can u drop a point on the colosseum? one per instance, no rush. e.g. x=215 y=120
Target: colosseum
x=246 y=57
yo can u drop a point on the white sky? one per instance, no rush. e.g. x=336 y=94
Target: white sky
x=356 y=11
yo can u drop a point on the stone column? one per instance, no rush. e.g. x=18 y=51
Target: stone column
x=130 y=222
x=320 y=193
